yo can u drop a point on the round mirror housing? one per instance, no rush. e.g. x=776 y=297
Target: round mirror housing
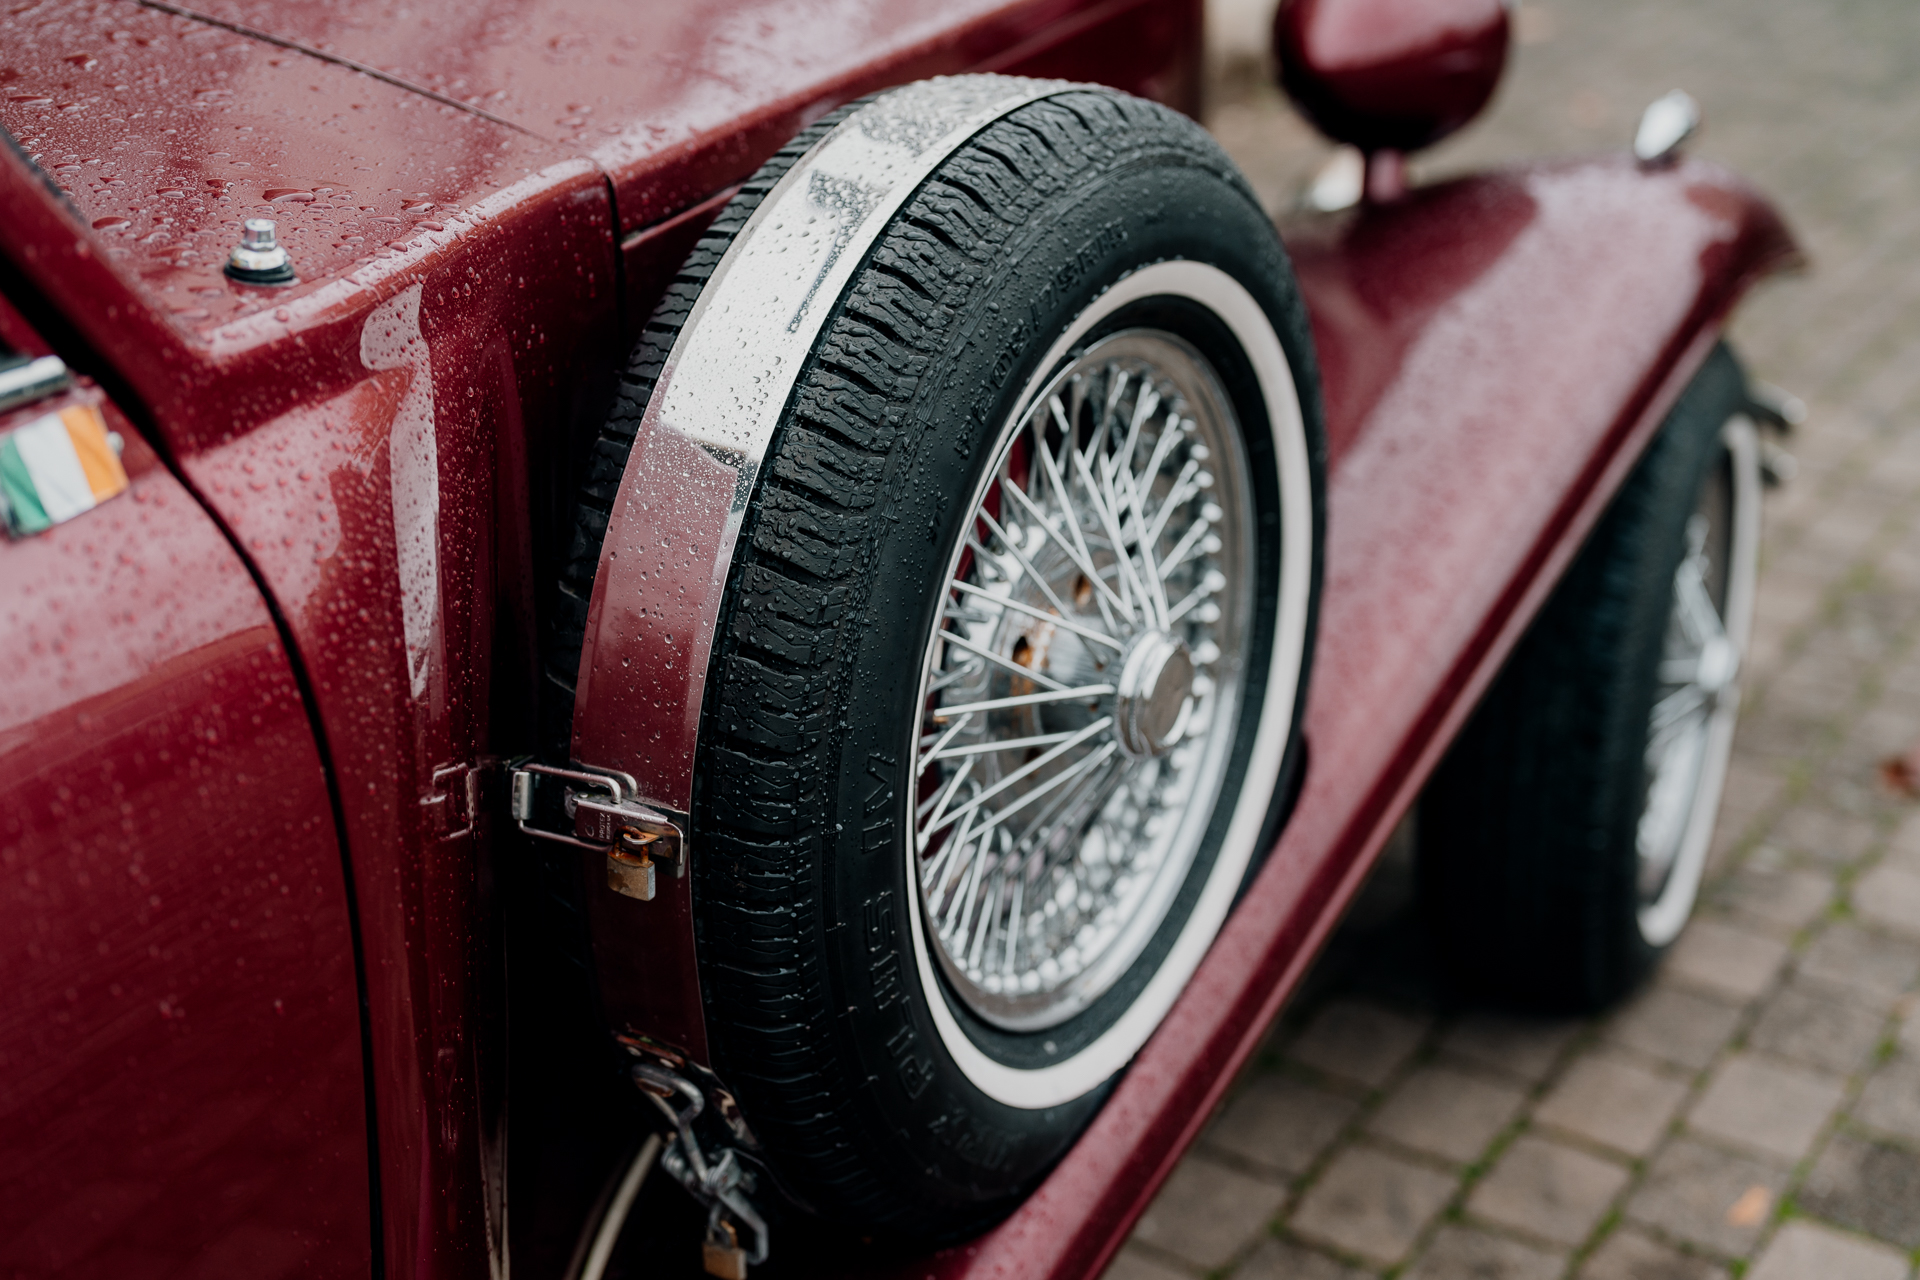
x=1390 y=75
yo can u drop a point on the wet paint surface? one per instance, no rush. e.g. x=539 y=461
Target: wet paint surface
x=177 y=993
x=389 y=517
x=166 y=133
x=1497 y=351
x=1385 y=74
x=672 y=100
x=365 y=438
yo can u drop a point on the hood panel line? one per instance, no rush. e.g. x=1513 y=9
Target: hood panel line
x=387 y=77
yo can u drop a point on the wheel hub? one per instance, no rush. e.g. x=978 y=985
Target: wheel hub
x=1716 y=666
x=1154 y=694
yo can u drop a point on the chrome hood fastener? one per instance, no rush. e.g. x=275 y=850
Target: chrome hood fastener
x=259 y=257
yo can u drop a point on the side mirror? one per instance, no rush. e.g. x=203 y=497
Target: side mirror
x=1390 y=76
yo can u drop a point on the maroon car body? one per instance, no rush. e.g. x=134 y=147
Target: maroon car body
x=252 y=988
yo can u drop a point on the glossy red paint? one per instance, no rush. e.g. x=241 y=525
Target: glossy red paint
x=387 y=443
x=674 y=101
x=180 y=1054
x=1497 y=352
x=1494 y=352
x=364 y=438
x=166 y=132
x=1390 y=75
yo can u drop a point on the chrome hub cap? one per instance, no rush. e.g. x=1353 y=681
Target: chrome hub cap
x=1155 y=694
x=1082 y=689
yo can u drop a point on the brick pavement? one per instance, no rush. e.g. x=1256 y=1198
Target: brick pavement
x=1756 y=1110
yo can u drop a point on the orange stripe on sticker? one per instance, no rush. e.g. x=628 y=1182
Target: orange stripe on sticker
x=88 y=431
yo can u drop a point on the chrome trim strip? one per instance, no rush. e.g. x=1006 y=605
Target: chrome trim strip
x=724 y=388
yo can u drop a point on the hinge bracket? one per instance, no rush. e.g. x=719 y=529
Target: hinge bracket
x=454 y=800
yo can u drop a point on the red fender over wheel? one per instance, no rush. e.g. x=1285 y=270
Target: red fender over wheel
x=1495 y=354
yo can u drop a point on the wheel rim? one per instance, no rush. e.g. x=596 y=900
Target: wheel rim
x=1081 y=704
x=1690 y=730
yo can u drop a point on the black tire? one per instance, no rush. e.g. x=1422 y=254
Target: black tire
x=1529 y=831
x=815 y=1017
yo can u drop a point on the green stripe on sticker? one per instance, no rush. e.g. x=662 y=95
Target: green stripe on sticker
x=24 y=512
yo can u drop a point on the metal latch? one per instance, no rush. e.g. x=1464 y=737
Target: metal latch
x=714 y=1176
x=598 y=809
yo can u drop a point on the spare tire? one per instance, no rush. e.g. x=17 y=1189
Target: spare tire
x=1009 y=671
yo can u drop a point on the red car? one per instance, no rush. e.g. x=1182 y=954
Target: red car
x=799 y=613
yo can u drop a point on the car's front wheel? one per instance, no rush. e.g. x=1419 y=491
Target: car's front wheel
x=1564 y=837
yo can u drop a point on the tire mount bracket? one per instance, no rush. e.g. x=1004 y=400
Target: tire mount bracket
x=599 y=809
x=586 y=807
x=714 y=1175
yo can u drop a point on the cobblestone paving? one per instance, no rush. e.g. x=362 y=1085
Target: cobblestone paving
x=1756 y=1110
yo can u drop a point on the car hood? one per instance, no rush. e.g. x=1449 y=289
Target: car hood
x=631 y=84
x=362 y=128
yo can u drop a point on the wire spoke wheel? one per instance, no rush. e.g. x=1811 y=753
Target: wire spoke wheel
x=1564 y=838
x=1690 y=729
x=1082 y=689
x=1004 y=701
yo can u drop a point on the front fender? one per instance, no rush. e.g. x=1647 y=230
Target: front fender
x=1496 y=353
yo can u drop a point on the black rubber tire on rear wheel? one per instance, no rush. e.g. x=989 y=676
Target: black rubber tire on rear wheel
x=815 y=1017
x=1528 y=830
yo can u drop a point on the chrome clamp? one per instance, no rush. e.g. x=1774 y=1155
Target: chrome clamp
x=597 y=809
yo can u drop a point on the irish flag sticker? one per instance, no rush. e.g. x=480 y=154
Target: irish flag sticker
x=57 y=467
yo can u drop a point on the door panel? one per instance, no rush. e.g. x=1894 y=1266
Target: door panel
x=181 y=1079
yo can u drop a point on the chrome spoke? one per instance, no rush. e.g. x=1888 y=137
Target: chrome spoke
x=1208 y=585
x=997 y=744
x=1014 y=918
x=949 y=858
x=1194 y=537
x=1676 y=707
x=999 y=817
x=939 y=803
x=934 y=747
x=955 y=676
x=1075 y=551
x=1088 y=691
x=1102 y=512
x=1031 y=767
x=1143 y=409
x=1085 y=633
x=1059 y=812
x=1006 y=664
x=1071 y=518
x=1033 y=575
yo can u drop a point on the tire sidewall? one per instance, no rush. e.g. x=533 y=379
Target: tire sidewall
x=968 y=1147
